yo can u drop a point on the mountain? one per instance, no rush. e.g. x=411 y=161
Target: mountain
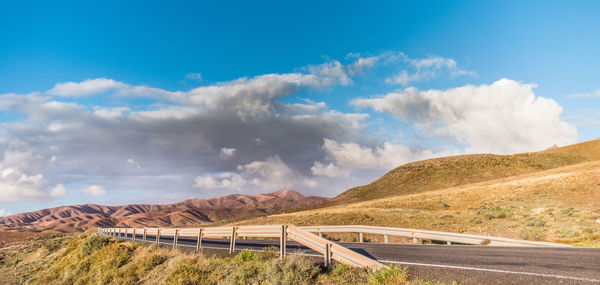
x=439 y=173
x=191 y=212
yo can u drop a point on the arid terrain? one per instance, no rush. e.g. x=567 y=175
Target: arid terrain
x=187 y=213
x=553 y=195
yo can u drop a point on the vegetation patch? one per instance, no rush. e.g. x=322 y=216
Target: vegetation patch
x=94 y=259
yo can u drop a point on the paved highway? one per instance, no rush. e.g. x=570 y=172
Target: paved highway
x=465 y=264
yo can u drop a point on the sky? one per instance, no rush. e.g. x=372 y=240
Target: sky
x=117 y=102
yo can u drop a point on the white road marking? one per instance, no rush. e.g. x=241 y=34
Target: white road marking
x=492 y=270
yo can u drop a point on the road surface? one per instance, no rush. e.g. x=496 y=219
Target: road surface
x=465 y=264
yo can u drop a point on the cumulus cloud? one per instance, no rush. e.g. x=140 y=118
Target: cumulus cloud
x=250 y=135
x=94 y=190
x=352 y=154
x=58 y=191
x=4 y=212
x=20 y=177
x=503 y=117
x=227 y=135
x=328 y=170
x=272 y=174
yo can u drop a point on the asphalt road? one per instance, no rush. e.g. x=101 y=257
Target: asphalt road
x=464 y=264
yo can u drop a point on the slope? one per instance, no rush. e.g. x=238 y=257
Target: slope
x=439 y=173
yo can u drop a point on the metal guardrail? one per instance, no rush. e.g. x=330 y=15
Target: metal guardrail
x=330 y=250
x=307 y=237
x=415 y=234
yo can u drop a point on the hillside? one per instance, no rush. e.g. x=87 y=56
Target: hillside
x=439 y=173
x=187 y=213
x=528 y=196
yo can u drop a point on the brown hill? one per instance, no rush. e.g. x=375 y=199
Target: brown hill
x=551 y=195
x=187 y=213
x=439 y=173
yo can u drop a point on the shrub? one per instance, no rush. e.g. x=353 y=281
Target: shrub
x=531 y=234
x=246 y=256
x=536 y=223
x=187 y=273
x=270 y=253
x=475 y=221
x=389 y=276
x=497 y=213
x=291 y=270
x=92 y=243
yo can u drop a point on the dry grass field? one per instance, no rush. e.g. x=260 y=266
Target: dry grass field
x=94 y=259
x=559 y=202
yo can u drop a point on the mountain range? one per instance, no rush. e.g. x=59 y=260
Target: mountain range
x=191 y=212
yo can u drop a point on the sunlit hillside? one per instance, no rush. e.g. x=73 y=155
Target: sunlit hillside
x=552 y=195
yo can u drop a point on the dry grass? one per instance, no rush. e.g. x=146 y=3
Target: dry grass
x=93 y=259
x=558 y=205
x=445 y=172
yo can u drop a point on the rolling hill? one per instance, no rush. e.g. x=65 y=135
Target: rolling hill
x=551 y=195
x=186 y=213
x=439 y=173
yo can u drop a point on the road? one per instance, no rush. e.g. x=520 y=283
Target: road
x=465 y=264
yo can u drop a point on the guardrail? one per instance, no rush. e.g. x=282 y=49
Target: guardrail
x=428 y=235
x=330 y=250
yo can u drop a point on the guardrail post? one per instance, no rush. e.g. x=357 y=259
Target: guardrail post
x=283 y=241
x=175 y=238
x=327 y=255
x=120 y=235
x=385 y=238
x=232 y=244
x=199 y=242
x=144 y=236
x=360 y=237
x=449 y=243
x=158 y=236
x=415 y=240
x=133 y=236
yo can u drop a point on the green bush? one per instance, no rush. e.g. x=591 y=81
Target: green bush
x=92 y=243
x=246 y=256
x=389 y=276
x=497 y=213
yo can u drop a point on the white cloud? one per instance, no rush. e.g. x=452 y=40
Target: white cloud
x=328 y=170
x=85 y=88
x=594 y=94
x=227 y=152
x=220 y=180
x=94 y=190
x=4 y=212
x=503 y=117
x=271 y=174
x=426 y=69
x=110 y=113
x=20 y=177
x=354 y=155
x=58 y=191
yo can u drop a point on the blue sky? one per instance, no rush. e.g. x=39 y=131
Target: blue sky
x=459 y=51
